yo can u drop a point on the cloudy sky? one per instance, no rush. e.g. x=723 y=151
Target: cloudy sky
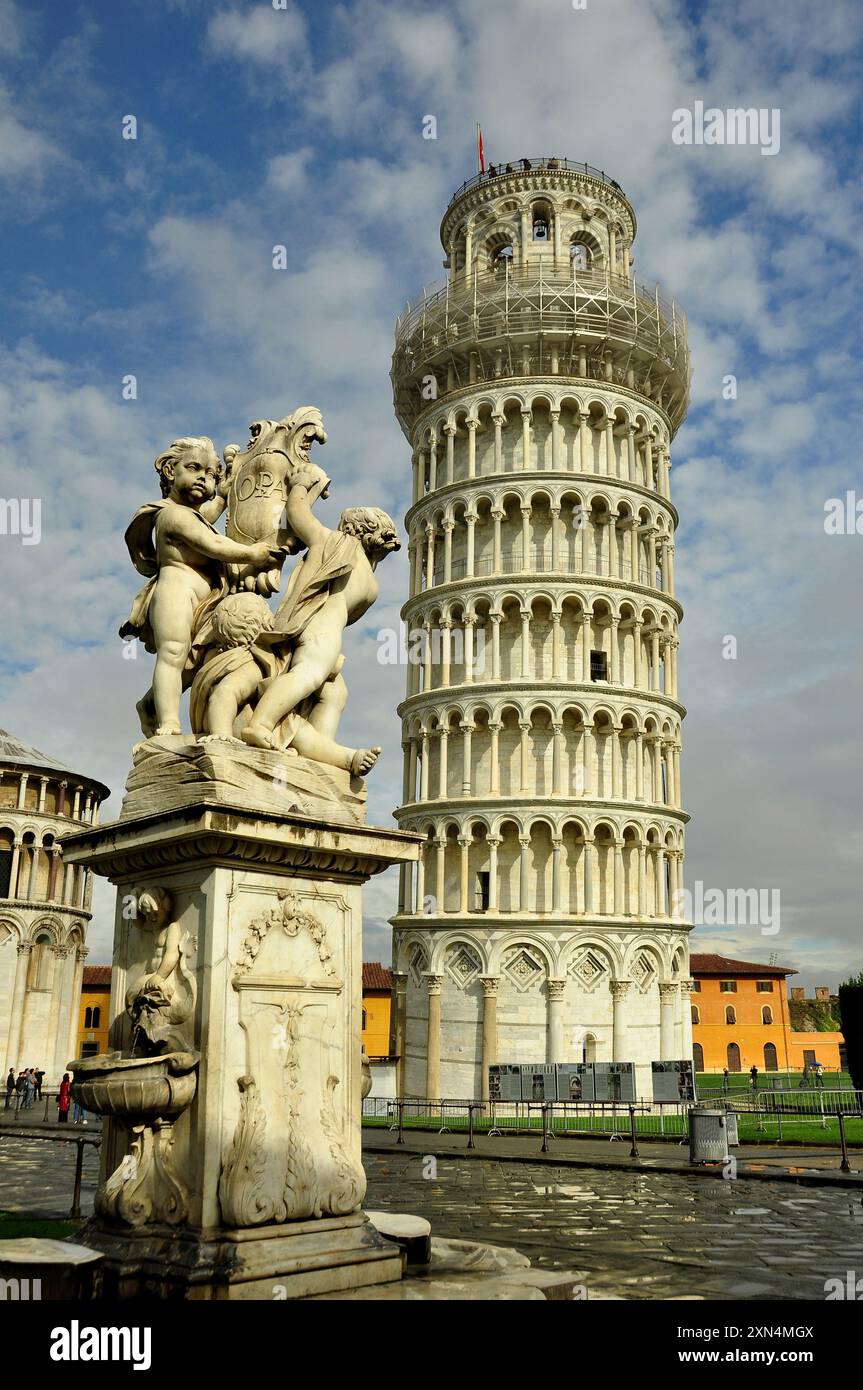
x=303 y=126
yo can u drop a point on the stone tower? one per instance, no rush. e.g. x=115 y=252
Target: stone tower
x=540 y=388
x=44 y=907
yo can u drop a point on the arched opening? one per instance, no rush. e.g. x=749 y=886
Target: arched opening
x=698 y=1056
x=40 y=962
x=730 y=1015
x=588 y=1048
x=770 y=1060
x=696 y=1017
x=541 y=223
x=733 y=1057
x=766 y=1014
x=579 y=256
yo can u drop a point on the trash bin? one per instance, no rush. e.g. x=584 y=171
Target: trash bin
x=708 y=1135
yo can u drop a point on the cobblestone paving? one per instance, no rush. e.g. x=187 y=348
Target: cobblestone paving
x=637 y=1235
x=38 y=1176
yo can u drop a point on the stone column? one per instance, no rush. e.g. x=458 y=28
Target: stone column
x=22 y=791
x=638 y=741
x=586 y=760
x=524 y=875
x=490 y=985
x=433 y=1090
x=590 y=894
x=448 y=528
x=493 y=841
x=654 y=659
x=610 y=460
x=449 y=431
x=400 y=989
x=419 y=900
x=63 y=1003
x=495 y=619
x=466 y=769
x=667 y=1002
x=555 y=539
x=556 y=847
x=464 y=866
x=16 y=1013
x=524 y=750
x=613 y=557
x=630 y=452
x=525 y=644
x=556 y=990
x=585 y=647
x=526 y=551
x=619 y=906
x=619 y=991
x=13 y=871
x=584 y=452
x=556 y=645
x=433 y=465
x=442 y=788
x=468 y=629
x=81 y=954
x=471 y=519
x=497 y=516
x=471 y=447
x=440 y=866
x=557 y=760
x=642 y=880
x=613 y=652
x=498 y=443
x=494 y=780
x=687 y=988
x=424 y=765
x=639 y=655
x=616 y=791
x=661 y=905
x=526 y=461
x=555 y=440
x=429 y=555
x=634 y=552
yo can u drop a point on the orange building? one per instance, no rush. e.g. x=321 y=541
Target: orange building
x=377 y=1010
x=93 y=1010
x=740 y=1019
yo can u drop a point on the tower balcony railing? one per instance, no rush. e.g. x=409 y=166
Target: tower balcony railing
x=535 y=164
x=539 y=562
x=561 y=304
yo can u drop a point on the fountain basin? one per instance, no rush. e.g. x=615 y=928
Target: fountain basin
x=137 y=1090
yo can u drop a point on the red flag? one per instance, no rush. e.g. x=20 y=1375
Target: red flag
x=480 y=149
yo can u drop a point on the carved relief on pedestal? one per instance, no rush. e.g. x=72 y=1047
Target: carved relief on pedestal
x=290 y=1156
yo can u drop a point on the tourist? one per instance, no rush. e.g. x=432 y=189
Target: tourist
x=10 y=1086
x=753 y=1076
x=819 y=1075
x=40 y=1077
x=64 y=1099
x=28 y=1090
x=79 y=1114
x=725 y=1080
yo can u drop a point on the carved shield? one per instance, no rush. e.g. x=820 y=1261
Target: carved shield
x=257 y=495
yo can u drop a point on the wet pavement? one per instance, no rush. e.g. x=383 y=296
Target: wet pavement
x=637 y=1235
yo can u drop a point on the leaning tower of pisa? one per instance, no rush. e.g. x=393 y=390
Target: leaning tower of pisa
x=540 y=388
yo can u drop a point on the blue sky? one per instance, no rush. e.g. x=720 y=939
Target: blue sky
x=153 y=257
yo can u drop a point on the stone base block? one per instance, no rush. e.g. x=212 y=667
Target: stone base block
x=307 y=1259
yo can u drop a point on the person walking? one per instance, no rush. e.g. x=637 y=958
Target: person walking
x=10 y=1087
x=29 y=1090
x=753 y=1076
x=39 y=1077
x=64 y=1099
x=819 y=1075
x=725 y=1080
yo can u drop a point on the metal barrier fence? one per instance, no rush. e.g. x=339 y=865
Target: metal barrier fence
x=22 y=1133
x=40 y=1110
x=819 y=1117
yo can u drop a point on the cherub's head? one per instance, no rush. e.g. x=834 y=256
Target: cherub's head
x=373 y=528
x=189 y=471
x=154 y=908
x=239 y=620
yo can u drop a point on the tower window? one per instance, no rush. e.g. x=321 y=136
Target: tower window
x=540 y=227
x=598 y=666
x=579 y=256
x=483 y=890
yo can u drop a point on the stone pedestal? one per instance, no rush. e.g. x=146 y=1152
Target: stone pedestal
x=254 y=1190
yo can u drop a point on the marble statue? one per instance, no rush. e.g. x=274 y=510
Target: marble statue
x=164 y=997
x=270 y=681
x=175 y=544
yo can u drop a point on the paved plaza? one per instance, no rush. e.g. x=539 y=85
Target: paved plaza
x=636 y=1235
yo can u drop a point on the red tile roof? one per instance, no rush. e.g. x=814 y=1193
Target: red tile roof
x=97 y=975
x=723 y=965
x=376 y=976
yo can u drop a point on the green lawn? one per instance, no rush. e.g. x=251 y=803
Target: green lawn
x=13 y=1225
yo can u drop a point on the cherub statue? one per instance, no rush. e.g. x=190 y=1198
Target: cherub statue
x=331 y=587
x=246 y=654
x=174 y=543
x=165 y=995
